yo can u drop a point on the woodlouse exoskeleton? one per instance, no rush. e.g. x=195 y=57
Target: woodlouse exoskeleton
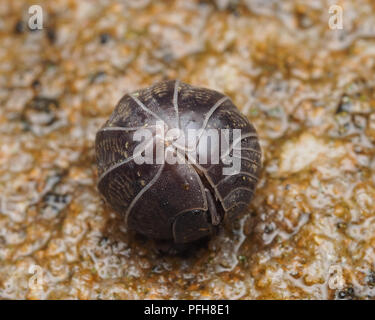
x=182 y=202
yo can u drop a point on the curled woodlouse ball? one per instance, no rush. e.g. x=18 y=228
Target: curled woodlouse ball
x=176 y=160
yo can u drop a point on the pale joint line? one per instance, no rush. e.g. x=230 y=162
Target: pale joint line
x=193 y=162
x=247 y=149
x=242 y=158
x=175 y=102
x=147 y=109
x=209 y=114
x=122 y=162
x=124 y=128
x=239 y=173
x=237 y=204
x=247 y=135
x=191 y=165
x=140 y=193
x=239 y=188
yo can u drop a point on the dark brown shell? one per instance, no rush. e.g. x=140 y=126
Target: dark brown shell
x=180 y=202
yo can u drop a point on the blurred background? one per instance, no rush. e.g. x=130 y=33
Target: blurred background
x=301 y=71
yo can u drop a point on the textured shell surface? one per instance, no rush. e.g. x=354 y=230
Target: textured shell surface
x=186 y=201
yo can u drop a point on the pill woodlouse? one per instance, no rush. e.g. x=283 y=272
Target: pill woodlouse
x=181 y=202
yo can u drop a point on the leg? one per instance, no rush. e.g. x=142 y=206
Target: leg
x=215 y=217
